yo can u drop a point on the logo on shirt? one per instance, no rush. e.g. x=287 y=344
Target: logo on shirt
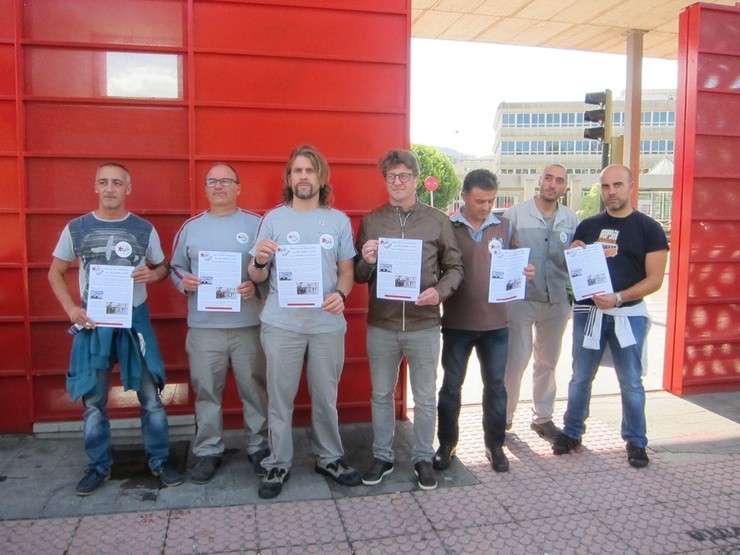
x=326 y=241
x=563 y=237
x=293 y=237
x=495 y=245
x=124 y=249
x=608 y=240
x=242 y=238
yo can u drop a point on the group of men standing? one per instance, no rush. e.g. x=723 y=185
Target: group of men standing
x=267 y=342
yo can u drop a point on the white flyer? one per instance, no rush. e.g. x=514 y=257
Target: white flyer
x=219 y=272
x=299 y=276
x=589 y=274
x=110 y=295
x=399 y=269
x=507 y=280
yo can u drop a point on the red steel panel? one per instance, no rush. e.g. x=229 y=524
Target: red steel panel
x=11 y=247
x=716 y=156
x=140 y=22
x=715 y=239
x=718 y=30
x=332 y=34
x=712 y=323
x=68 y=183
x=714 y=280
x=14 y=348
x=7 y=22
x=12 y=292
x=9 y=192
x=102 y=130
x=7 y=68
x=716 y=198
x=272 y=132
x=15 y=403
x=322 y=83
x=8 y=129
x=717 y=113
x=43 y=234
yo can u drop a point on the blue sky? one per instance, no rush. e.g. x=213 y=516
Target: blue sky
x=456 y=86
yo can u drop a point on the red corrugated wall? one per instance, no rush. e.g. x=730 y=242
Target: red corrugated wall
x=247 y=82
x=703 y=334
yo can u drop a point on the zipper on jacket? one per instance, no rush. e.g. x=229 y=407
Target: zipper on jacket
x=403 y=236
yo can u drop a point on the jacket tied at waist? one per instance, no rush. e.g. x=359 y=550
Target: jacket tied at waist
x=135 y=349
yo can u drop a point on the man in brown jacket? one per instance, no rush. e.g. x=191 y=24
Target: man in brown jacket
x=398 y=327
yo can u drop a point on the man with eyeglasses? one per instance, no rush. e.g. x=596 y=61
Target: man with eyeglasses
x=221 y=334
x=292 y=334
x=398 y=327
x=546 y=226
x=112 y=236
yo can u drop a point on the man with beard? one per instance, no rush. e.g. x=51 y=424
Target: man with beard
x=290 y=334
x=636 y=251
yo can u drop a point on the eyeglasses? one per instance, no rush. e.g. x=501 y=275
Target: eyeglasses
x=390 y=178
x=224 y=182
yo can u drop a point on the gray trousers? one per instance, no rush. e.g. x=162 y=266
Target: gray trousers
x=385 y=349
x=285 y=351
x=549 y=321
x=209 y=352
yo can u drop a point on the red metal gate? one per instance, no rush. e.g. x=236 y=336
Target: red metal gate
x=167 y=87
x=703 y=335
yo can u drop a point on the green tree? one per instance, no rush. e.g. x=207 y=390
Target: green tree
x=435 y=162
x=590 y=203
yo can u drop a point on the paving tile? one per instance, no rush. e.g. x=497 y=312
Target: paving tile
x=713 y=521
x=217 y=530
x=654 y=529
x=451 y=508
x=582 y=533
x=383 y=516
x=342 y=548
x=536 y=499
x=140 y=533
x=503 y=538
x=53 y=535
x=608 y=490
x=301 y=523
x=427 y=542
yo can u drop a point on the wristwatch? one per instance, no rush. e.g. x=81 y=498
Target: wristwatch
x=619 y=302
x=258 y=265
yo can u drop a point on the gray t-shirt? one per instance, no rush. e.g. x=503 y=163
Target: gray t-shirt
x=325 y=226
x=130 y=241
x=207 y=232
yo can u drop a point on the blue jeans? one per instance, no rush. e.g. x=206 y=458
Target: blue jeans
x=96 y=426
x=491 y=348
x=628 y=366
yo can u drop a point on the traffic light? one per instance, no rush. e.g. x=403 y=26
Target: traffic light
x=602 y=116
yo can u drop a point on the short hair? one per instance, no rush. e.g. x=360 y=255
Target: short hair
x=481 y=178
x=554 y=166
x=114 y=165
x=397 y=157
x=227 y=165
x=625 y=168
x=320 y=165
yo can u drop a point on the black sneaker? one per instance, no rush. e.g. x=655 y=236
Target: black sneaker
x=204 y=469
x=168 y=475
x=636 y=456
x=564 y=444
x=340 y=472
x=91 y=482
x=256 y=459
x=272 y=483
x=377 y=471
x=425 y=473
x=443 y=457
x=497 y=458
x=547 y=430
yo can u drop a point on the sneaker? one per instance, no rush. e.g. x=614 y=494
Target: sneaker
x=497 y=458
x=256 y=459
x=91 y=482
x=564 y=444
x=168 y=475
x=204 y=469
x=425 y=473
x=340 y=472
x=547 y=430
x=272 y=482
x=636 y=456
x=443 y=457
x=377 y=471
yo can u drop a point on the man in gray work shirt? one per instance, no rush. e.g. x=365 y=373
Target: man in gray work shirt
x=545 y=226
x=217 y=336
